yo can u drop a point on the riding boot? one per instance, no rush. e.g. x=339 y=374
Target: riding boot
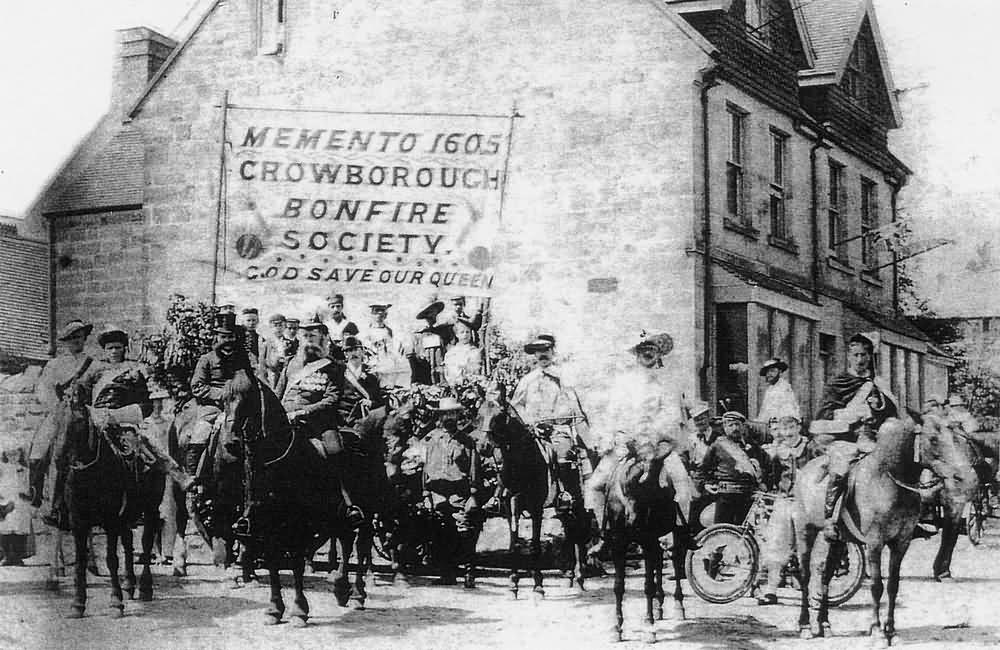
x=36 y=482
x=834 y=490
x=598 y=500
x=355 y=516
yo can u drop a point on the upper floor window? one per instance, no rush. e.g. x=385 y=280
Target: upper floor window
x=735 y=182
x=869 y=223
x=271 y=19
x=835 y=203
x=779 y=163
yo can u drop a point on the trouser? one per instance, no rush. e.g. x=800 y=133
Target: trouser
x=840 y=455
x=732 y=507
x=779 y=542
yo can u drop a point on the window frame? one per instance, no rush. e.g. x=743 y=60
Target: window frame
x=778 y=204
x=836 y=221
x=869 y=222
x=736 y=191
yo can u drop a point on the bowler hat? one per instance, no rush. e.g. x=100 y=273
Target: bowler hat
x=74 y=327
x=773 y=363
x=541 y=342
x=433 y=309
x=112 y=334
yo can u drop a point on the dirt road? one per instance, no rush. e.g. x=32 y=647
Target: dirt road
x=202 y=611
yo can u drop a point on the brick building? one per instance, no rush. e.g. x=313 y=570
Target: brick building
x=572 y=162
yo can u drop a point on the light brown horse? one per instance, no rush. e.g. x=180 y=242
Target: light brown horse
x=880 y=510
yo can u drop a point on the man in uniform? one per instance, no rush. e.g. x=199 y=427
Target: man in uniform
x=58 y=390
x=732 y=470
x=543 y=400
x=211 y=373
x=859 y=398
x=647 y=418
x=338 y=325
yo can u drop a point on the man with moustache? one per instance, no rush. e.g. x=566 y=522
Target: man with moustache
x=211 y=373
x=272 y=351
x=338 y=325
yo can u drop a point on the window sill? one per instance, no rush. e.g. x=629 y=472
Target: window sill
x=871 y=278
x=746 y=230
x=786 y=245
x=839 y=265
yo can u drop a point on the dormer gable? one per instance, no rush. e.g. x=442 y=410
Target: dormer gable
x=850 y=54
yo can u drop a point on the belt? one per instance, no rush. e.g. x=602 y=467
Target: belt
x=733 y=487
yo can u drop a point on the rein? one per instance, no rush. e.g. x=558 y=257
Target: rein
x=79 y=467
x=919 y=488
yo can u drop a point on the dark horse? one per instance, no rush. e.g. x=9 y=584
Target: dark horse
x=290 y=490
x=529 y=476
x=104 y=488
x=641 y=509
x=880 y=510
x=959 y=487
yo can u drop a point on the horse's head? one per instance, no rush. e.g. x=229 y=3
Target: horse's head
x=949 y=454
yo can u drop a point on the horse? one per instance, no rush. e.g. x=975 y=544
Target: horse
x=959 y=488
x=880 y=509
x=641 y=508
x=290 y=496
x=528 y=475
x=103 y=490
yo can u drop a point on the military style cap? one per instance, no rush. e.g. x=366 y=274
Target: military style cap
x=352 y=343
x=292 y=321
x=734 y=415
x=336 y=299
x=541 y=342
x=276 y=318
x=251 y=310
x=225 y=323
x=380 y=309
x=314 y=323
x=73 y=328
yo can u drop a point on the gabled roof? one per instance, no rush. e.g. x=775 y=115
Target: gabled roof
x=114 y=178
x=833 y=26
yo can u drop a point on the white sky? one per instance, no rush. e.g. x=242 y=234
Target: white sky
x=55 y=73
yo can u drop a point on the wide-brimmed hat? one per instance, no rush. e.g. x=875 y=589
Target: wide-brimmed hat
x=662 y=344
x=773 y=363
x=448 y=404
x=699 y=408
x=225 y=323
x=112 y=334
x=315 y=323
x=433 y=309
x=73 y=327
x=541 y=342
x=956 y=400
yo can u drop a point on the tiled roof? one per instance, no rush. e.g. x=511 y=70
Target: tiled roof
x=833 y=26
x=114 y=178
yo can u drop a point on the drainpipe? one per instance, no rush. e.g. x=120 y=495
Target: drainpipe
x=896 y=185
x=709 y=80
x=818 y=144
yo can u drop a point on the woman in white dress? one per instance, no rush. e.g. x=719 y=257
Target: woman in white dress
x=462 y=359
x=386 y=354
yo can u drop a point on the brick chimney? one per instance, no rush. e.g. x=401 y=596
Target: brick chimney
x=141 y=52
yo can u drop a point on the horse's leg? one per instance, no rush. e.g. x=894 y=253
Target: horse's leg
x=677 y=560
x=180 y=525
x=80 y=537
x=833 y=560
x=536 y=553
x=618 y=555
x=128 y=551
x=804 y=546
x=57 y=564
x=117 y=606
x=342 y=584
x=874 y=554
x=300 y=608
x=649 y=586
x=897 y=551
x=819 y=557
x=364 y=549
x=949 y=537
x=148 y=537
x=277 y=609
x=515 y=557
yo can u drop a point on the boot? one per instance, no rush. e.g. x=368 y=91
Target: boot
x=834 y=490
x=36 y=481
x=598 y=500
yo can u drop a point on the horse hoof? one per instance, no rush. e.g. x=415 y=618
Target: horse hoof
x=76 y=612
x=145 y=596
x=616 y=636
x=648 y=636
x=579 y=585
x=538 y=593
x=298 y=621
x=805 y=634
x=128 y=594
x=52 y=585
x=679 y=613
x=179 y=572
x=115 y=612
x=570 y=582
x=271 y=619
x=513 y=595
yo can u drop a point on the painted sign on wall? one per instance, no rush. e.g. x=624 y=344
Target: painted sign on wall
x=346 y=201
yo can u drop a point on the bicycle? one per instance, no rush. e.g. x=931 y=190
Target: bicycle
x=727 y=563
x=979 y=510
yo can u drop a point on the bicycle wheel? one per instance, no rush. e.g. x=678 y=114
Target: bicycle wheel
x=725 y=567
x=975 y=519
x=848 y=576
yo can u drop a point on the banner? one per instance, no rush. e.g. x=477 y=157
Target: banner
x=323 y=202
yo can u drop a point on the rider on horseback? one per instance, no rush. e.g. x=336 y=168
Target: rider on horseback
x=648 y=420
x=545 y=402
x=859 y=399
x=120 y=397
